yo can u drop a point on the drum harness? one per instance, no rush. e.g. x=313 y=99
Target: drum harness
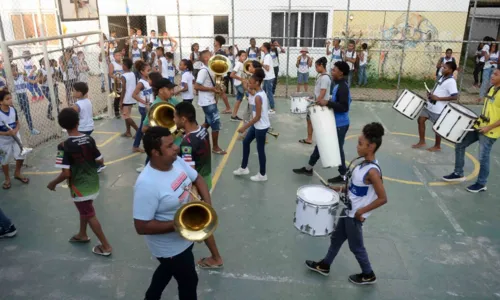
x=344 y=197
x=491 y=98
x=438 y=84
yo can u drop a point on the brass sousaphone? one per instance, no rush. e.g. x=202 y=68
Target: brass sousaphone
x=195 y=221
x=220 y=65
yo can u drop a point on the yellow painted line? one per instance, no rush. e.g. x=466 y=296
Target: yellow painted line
x=109 y=140
x=222 y=164
x=106 y=132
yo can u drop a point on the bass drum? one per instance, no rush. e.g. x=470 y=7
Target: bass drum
x=325 y=134
x=316 y=210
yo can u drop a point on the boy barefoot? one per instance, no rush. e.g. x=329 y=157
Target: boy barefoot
x=78 y=158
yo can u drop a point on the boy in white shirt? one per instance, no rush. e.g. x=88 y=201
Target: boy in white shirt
x=267 y=65
x=444 y=90
x=238 y=83
x=350 y=59
x=171 y=70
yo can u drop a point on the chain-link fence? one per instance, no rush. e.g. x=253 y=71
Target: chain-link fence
x=389 y=45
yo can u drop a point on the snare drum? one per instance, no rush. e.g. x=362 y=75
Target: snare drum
x=299 y=103
x=454 y=122
x=409 y=104
x=316 y=210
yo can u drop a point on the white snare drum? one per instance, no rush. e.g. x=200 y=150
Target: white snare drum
x=316 y=210
x=454 y=122
x=325 y=134
x=409 y=104
x=299 y=103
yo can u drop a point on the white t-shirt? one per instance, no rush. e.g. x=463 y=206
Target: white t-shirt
x=360 y=193
x=303 y=64
x=276 y=61
x=205 y=98
x=164 y=67
x=136 y=54
x=157 y=196
x=365 y=58
x=187 y=79
x=268 y=61
x=10 y=118
x=264 y=122
x=86 y=120
x=486 y=48
x=44 y=74
x=492 y=62
x=146 y=93
x=238 y=69
x=130 y=85
x=170 y=68
x=446 y=87
x=20 y=85
x=350 y=55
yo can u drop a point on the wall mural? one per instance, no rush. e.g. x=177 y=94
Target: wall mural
x=420 y=54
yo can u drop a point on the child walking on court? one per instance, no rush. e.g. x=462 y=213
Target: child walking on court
x=8 y=146
x=257 y=127
x=84 y=108
x=366 y=192
x=78 y=158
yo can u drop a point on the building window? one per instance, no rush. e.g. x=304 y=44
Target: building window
x=221 y=25
x=25 y=26
x=310 y=33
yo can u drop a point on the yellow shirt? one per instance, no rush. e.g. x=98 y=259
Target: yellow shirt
x=491 y=110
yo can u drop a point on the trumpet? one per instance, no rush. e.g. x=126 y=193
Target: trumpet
x=117 y=85
x=24 y=150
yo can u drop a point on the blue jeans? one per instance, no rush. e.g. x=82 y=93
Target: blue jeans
x=341 y=133
x=349 y=77
x=87 y=132
x=260 y=136
x=212 y=116
x=102 y=81
x=362 y=78
x=138 y=134
x=485 y=145
x=486 y=82
x=5 y=222
x=46 y=93
x=25 y=107
x=268 y=89
x=349 y=229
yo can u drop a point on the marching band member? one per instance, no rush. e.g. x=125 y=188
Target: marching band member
x=445 y=90
x=267 y=66
x=340 y=103
x=321 y=92
x=143 y=94
x=366 y=193
x=158 y=193
x=236 y=74
x=8 y=146
x=257 y=127
x=218 y=42
x=195 y=151
x=205 y=85
x=115 y=68
x=487 y=132
x=126 y=100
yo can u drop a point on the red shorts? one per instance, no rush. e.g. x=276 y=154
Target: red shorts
x=85 y=208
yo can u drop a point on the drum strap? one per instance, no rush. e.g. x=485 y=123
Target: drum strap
x=348 y=176
x=440 y=82
x=488 y=98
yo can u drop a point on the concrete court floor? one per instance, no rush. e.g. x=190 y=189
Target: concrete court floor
x=431 y=241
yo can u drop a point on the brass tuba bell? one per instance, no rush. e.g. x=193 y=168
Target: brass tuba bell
x=196 y=221
x=220 y=65
x=246 y=68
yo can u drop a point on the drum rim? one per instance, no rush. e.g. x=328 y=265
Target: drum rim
x=303 y=232
x=321 y=186
x=453 y=106
x=416 y=94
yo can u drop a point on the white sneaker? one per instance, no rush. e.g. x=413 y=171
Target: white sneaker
x=271 y=112
x=241 y=171
x=259 y=177
x=140 y=169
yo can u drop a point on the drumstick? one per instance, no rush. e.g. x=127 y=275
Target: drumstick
x=427 y=88
x=321 y=179
x=471 y=129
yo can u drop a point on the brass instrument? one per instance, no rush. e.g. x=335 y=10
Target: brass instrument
x=220 y=65
x=162 y=114
x=195 y=221
x=117 y=85
x=246 y=68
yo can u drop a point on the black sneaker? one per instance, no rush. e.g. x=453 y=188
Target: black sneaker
x=338 y=179
x=303 y=171
x=319 y=267
x=11 y=232
x=363 y=278
x=236 y=119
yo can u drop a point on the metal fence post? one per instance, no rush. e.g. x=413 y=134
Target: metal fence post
x=127 y=10
x=179 y=28
x=232 y=21
x=288 y=47
x=404 y=46
x=347 y=23
x=41 y=25
x=464 y=64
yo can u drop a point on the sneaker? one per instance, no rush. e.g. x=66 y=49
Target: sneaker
x=236 y=119
x=338 y=179
x=271 y=112
x=476 y=188
x=140 y=169
x=241 y=171
x=319 y=267
x=453 y=177
x=11 y=232
x=363 y=278
x=303 y=171
x=35 y=132
x=101 y=168
x=259 y=177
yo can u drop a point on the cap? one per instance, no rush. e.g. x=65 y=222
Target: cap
x=304 y=50
x=164 y=83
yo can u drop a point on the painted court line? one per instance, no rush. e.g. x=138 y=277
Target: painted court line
x=370 y=108
x=439 y=202
x=222 y=164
